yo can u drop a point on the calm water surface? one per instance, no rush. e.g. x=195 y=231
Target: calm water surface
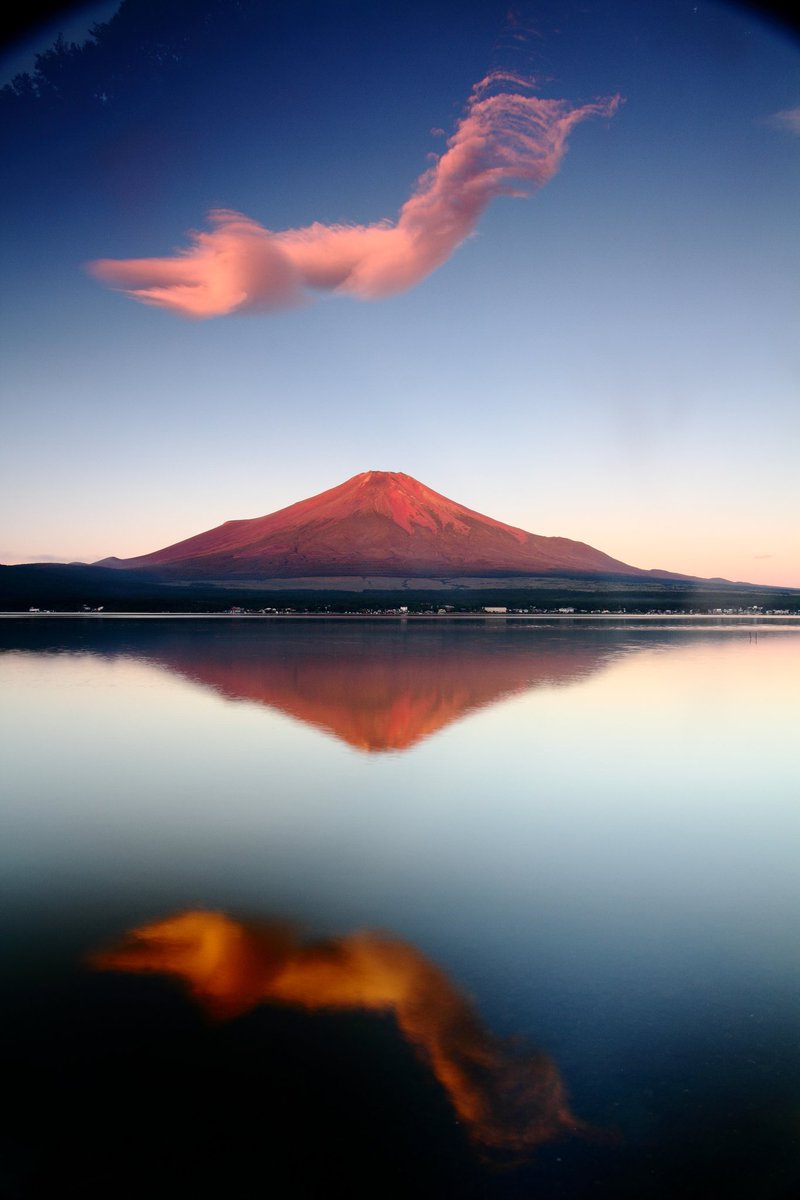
x=493 y=910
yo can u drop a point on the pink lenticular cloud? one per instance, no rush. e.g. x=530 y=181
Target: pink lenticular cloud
x=505 y=138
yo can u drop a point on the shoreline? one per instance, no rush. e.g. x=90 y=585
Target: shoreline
x=736 y=619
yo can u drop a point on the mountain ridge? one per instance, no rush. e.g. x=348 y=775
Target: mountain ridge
x=376 y=523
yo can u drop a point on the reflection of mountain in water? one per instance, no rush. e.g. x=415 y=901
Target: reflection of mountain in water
x=374 y=685
x=380 y=689
x=507 y=1101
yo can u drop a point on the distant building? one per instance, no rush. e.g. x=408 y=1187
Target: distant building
x=496 y=609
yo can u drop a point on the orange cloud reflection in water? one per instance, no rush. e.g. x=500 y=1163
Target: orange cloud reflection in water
x=507 y=1101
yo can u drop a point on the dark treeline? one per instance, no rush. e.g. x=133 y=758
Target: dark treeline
x=67 y=588
x=143 y=40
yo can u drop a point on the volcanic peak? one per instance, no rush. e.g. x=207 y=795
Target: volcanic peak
x=377 y=523
x=405 y=501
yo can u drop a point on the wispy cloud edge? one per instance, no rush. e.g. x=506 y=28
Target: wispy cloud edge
x=506 y=138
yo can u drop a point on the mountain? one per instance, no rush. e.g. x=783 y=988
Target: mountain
x=379 y=523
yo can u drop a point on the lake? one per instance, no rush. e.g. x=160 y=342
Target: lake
x=450 y=909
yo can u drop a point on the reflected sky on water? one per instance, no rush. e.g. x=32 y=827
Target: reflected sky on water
x=589 y=834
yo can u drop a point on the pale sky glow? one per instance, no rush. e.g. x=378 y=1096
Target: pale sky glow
x=611 y=359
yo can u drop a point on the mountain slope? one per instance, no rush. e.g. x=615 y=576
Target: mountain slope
x=378 y=523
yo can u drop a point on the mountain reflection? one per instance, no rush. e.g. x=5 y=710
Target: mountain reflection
x=377 y=686
x=507 y=1101
x=378 y=689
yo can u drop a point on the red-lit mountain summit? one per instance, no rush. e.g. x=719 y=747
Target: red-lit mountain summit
x=379 y=523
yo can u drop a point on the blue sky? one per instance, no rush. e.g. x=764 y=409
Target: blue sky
x=613 y=359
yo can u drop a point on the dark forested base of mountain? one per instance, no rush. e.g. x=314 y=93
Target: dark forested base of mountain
x=75 y=588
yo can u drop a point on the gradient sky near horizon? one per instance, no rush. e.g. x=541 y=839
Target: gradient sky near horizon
x=612 y=359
